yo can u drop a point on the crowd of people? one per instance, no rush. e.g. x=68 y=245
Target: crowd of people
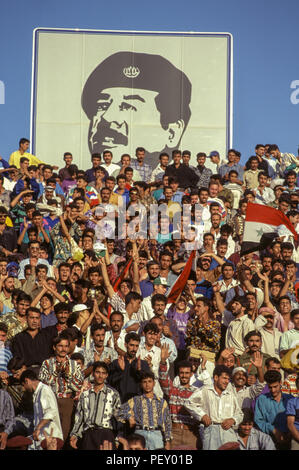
x=130 y=318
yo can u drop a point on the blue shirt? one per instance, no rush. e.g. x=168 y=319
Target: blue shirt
x=48 y=320
x=146 y=287
x=226 y=169
x=292 y=409
x=270 y=414
x=205 y=288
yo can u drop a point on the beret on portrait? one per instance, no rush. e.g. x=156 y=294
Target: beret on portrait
x=135 y=70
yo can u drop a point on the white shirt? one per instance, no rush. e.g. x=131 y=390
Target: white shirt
x=246 y=395
x=155 y=354
x=120 y=341
x=110 y=168
x=270 y=341
x=235 y=333
x=206 y=401
x=45 y=407
x=264 y=198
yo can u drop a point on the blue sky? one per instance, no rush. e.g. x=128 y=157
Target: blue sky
x=265 y=56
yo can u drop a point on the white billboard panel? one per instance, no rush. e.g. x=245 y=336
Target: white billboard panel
x=97 y=90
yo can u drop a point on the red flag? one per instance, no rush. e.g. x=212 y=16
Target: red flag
x=261 y=220
x=180 y=283
x=119 y=280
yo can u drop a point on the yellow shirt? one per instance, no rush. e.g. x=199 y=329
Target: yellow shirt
x=15 y=157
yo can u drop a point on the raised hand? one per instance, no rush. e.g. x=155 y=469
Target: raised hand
x=257 y=360
x=165 y=353
x=148 y=359
x=107 y=445
x=226 y=353
x=121 y=362
x=124 y=442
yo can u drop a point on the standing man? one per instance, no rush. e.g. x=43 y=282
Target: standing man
x=108 y=165
x=65 y=378
x=124 y=373
x=15 y=157
x=144 y=169
x=184 y=426
x=186 y=177
x=202 y=171
x=218 y=410
x=95 y=412
x=149 y=414
x=46 y=416
x=270 y=411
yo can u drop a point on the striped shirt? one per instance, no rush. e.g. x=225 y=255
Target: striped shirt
x=5 y=356
x=7 y=414
x=96 y=409
x=149 y=413
x=178 y=396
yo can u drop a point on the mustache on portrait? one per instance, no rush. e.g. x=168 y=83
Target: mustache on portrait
x=104 y=130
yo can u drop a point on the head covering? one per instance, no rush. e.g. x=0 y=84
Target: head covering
x=239 y=369
x=160 y=281
x=267 y=310
x=214 y=153
x=79 y=308
x=135 y=70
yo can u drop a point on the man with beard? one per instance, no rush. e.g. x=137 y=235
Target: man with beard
x=239 y=327
x=128 y=90
x=8 y=286
x=125 y=372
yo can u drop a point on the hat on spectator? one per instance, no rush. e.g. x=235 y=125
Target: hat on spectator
x=79 y=308
x=160 y=281
x=239 y=369
x=214 y=153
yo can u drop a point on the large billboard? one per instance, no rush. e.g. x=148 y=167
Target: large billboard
x=118 y=90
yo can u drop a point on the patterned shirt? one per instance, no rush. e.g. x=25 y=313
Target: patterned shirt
x=144 y=170
x=149 y=413
x=203 y=336
x=68 y=379
x=7 y=414
x=289 y=385
x=96 y=409
x=177 y=397
x=14 y=324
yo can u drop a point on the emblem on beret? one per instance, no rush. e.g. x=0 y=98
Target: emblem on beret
x=131 y=72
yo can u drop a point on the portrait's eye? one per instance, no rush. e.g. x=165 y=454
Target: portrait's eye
x=127 y=106
x=103 y=105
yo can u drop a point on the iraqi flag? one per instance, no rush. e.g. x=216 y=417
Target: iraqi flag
x=180 y=283
x=262 y=225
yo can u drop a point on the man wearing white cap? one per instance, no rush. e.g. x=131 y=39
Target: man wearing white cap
x=245 y=394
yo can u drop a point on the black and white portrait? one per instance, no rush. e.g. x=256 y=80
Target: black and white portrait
x=134 y=99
